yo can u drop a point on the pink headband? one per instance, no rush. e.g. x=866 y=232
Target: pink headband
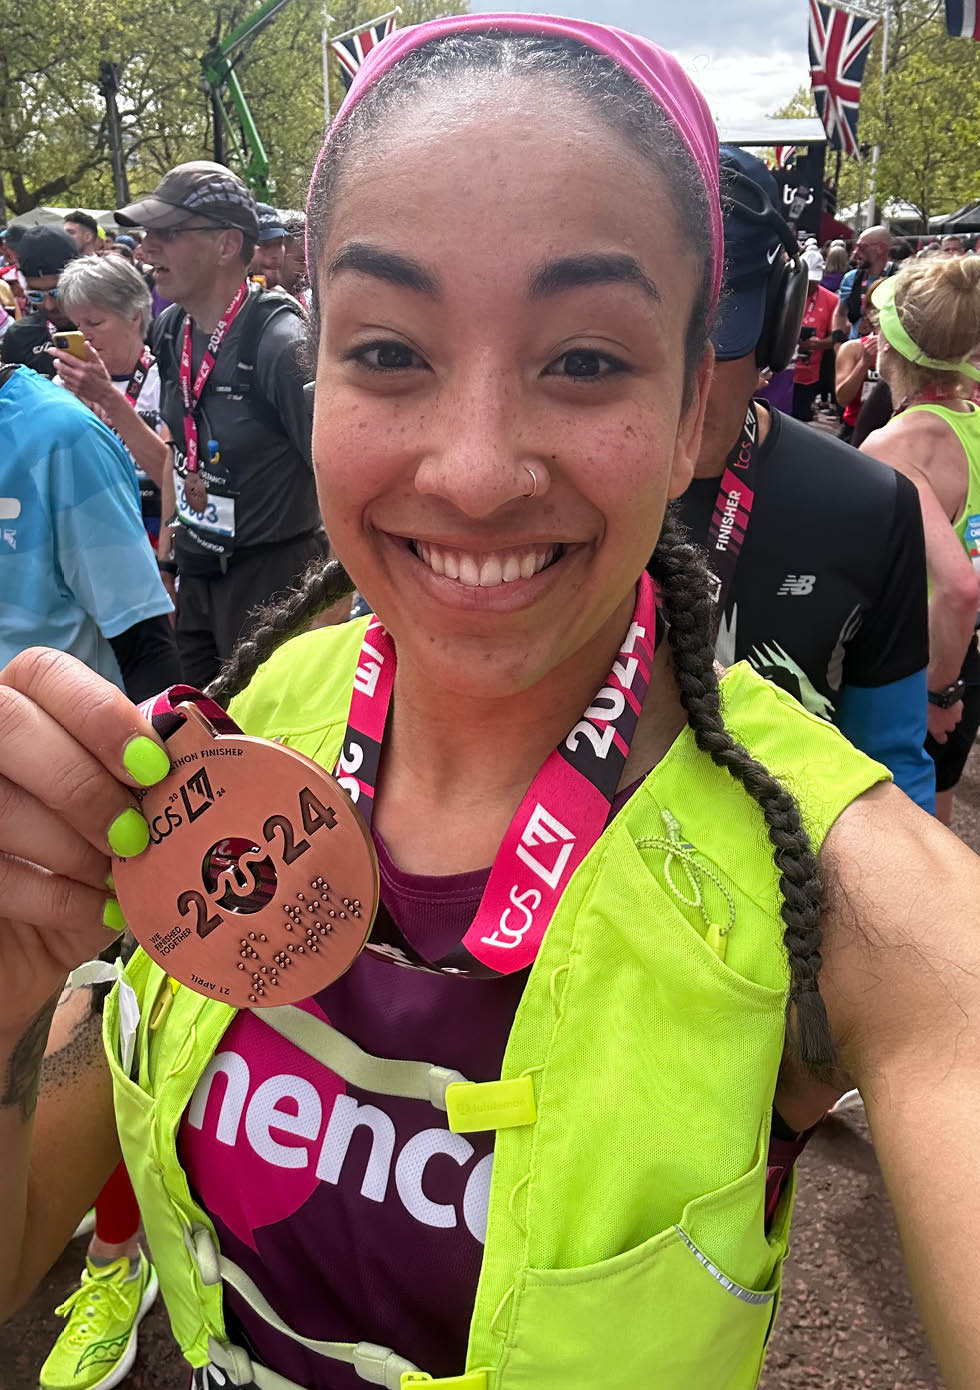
x=652 y=67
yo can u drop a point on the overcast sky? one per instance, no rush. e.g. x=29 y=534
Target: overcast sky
x=747 y=58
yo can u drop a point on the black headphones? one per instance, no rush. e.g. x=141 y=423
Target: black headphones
x=789 y=278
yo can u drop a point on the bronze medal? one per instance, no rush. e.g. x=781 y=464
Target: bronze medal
x=260 y=883
x=196 y=492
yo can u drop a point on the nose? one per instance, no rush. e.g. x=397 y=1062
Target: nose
x=478 y=455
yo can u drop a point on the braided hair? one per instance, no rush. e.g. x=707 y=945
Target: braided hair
x=680 y=569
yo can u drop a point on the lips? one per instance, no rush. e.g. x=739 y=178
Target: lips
x=487 y=569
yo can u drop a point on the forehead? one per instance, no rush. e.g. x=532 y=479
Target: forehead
x=489 y=180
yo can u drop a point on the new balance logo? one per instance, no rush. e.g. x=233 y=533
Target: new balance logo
x=797 y=585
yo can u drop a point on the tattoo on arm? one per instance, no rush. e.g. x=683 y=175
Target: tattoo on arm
x=20 y=1085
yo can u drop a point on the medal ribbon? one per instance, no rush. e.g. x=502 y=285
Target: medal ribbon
x=138 y=378
x=562 y=815
x=733 y=507
x=190 y=395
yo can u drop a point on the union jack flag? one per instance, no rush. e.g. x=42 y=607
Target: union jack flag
x=784 y=155
x=352 y=51
x=839 y=47
x=963 y=19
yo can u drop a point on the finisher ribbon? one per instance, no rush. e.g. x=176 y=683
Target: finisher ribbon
x=562 y=815
x=733 y=508
x=138 y=379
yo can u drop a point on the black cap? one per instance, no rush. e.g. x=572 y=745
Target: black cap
x=45 y=251
x=192 y=191
x=270 y=223
x=14 y=234
x=755 y=233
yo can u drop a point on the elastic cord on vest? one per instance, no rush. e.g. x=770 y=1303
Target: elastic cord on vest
x=895 y=334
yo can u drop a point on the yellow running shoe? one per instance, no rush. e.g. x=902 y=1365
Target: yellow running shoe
x=97 y=1345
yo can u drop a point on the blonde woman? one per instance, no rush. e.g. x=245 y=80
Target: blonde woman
x=928 y=327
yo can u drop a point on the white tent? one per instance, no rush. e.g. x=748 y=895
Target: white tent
x=53 y=217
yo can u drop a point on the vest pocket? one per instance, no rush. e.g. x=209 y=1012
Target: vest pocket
x=664 y=1314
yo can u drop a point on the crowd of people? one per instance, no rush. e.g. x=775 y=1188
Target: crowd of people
x=603 y=407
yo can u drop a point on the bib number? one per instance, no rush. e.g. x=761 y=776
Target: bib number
x=218 y=514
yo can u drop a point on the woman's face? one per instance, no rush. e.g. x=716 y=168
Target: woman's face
x=116 y=339
x=505 y=297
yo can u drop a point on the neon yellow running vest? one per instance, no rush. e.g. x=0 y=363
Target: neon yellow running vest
x=966 y=427
x=625 y=1242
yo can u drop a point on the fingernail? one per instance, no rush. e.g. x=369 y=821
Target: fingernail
x=112 y=915
x=145 y=761
x=110 y=883
x=128 y=834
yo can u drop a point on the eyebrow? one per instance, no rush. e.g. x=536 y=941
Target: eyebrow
x=573 y=271
x=397 y=270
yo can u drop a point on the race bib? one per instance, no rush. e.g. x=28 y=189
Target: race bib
x=218 y=515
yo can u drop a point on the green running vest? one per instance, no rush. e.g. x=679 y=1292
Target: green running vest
x=625 y=1242
x=966 y=426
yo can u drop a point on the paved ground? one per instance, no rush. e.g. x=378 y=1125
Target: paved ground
x=847 y=1318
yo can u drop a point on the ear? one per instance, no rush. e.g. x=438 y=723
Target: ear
x=230 y=244
x=691 y=426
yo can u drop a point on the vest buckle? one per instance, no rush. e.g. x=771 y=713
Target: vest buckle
x=479 y=1105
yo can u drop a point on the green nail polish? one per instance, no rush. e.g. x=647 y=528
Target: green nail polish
x=112 y=915
x=110 y=883
x=145 y=761
x=128 y=834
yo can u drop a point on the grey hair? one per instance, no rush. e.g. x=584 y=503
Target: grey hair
x=294 y=224
x=617 y=100
x=108 y=282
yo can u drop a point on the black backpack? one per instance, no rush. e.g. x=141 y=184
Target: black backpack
x=263 y=306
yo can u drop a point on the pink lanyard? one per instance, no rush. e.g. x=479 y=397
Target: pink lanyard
x=561 y=817
x=191 y=395
x=138 y=379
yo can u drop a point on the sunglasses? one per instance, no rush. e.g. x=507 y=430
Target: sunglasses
x=39 y=296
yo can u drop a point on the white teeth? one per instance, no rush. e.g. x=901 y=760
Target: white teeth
x=491 y=573
x=488 y=573
x=469 y=572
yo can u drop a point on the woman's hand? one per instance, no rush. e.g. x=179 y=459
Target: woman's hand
x=73 y=750
x=88 y=380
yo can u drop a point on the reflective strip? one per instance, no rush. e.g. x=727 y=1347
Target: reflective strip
x=476 y=1380
x=409 y=1080
x=729 y=1285
x=476 y=1105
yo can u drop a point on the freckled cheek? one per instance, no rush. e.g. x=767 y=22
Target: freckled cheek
x=358 y=458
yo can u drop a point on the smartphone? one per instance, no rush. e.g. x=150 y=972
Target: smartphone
x=73 y=343
x=806 y=333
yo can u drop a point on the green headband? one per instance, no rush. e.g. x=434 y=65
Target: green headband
x=890 y=325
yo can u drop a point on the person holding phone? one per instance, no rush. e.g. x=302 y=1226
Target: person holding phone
x=818 y=315
x=114 y=372
x=43 y=254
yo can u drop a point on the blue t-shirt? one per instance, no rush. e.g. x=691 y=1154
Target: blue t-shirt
x=76 y=567
x=844 y=294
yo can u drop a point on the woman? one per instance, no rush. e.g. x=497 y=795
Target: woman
x=928 y=327
x=119 y=379
x=836 y=266
x=511 y=377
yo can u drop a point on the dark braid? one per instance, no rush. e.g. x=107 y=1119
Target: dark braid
x=680 y=570
x=319 y=586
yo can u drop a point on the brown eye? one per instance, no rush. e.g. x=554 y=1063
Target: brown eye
x=584 y=364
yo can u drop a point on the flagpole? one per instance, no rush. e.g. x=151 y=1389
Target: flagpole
x=325 y=61
x=876 y=152
x=368 y=24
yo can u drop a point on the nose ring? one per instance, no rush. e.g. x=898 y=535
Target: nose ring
x=534 y=482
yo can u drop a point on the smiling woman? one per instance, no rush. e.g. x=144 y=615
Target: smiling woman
x=602 y=918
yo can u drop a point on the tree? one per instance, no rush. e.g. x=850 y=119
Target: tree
x=53 y=135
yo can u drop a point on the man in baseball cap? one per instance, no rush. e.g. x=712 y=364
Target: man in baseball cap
x=817 y=550
x=271 y=249
x=232 y=398
x=43 y=254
